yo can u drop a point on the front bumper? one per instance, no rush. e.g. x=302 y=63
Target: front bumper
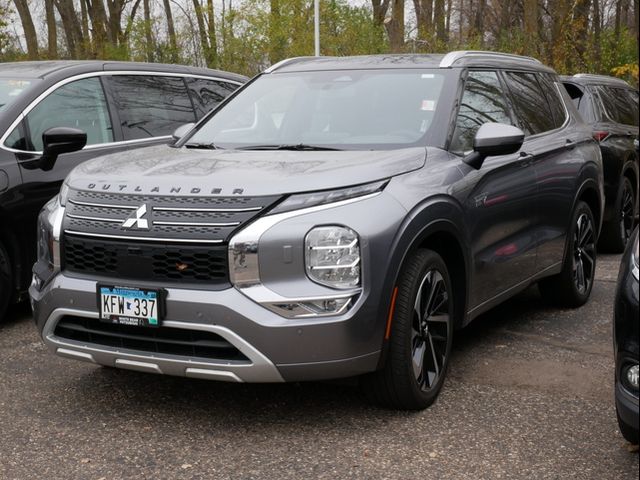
x=627 y=406
x=278 y=349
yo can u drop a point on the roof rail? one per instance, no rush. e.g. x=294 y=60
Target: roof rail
x=452 y=57
x=284 y=62
x=595 y=76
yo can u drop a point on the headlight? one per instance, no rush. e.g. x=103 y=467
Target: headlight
x=332 y=256
x=307 y=200
x=48 y=242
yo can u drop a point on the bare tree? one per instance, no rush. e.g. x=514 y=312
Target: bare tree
x=29 y=29
x=52 y=32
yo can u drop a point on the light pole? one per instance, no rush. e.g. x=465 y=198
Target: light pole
x=316 y=26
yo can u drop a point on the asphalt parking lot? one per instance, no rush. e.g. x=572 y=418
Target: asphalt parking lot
x=529 y=395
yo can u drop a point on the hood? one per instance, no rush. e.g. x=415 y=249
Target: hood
x=165 y=170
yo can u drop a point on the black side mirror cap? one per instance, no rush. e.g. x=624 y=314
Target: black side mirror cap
x=59 y=140
x=494 y=139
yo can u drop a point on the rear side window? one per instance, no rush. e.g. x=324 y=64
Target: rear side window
x=207 y=94
x=617 y=104
x=530 y=103
x=483 y=101
x=151 y=106
x=556 y=104
x=80 y=104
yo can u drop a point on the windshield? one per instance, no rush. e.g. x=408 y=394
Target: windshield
x=350 y=110
x=10 y=89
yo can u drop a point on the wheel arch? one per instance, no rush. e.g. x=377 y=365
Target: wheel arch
x=439 y=226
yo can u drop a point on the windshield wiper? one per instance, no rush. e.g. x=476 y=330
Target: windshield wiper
x=295 y=147
x=204 y=146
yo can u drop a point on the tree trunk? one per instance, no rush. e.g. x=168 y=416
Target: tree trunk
x=211 y=31
x=424 y=18
x=530 y=24
x=29 y=30
x=277 y=40
x=597 y=29
x=72 y=30
x=438 y=20
x=380 y=9
x=580 y=29
x=147 y=31
x=395 y=26
x=173 y=42
x=52 y=32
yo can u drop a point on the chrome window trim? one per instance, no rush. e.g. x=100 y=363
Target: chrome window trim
x=82 y=76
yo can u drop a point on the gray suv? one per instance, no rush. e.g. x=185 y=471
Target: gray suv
x=334 y=217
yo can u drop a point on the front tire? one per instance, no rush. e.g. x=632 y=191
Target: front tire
x=6 y=281
x=421 y=337
x=616 y=233
x=572 y=286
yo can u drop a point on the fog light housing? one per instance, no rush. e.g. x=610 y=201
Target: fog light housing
x=630 y=374
x=332 y=256
x=312 y=307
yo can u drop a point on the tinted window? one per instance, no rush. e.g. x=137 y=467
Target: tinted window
x=530 y=103
x=634 y=104
x=554 y=99
x=482 y=102
x=206 y=94
x=80 y=104
x=617 y=105
x=151 y=106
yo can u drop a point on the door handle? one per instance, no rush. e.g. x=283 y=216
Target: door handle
x=569 y=143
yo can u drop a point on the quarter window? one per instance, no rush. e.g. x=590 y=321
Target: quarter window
x=207 y=94
x=483 y=102
x=530 y=103
x=617 y=105
x=556 y=103
x=151 y=106
x=80 y=104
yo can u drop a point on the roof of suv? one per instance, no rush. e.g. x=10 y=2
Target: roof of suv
x=43 y=69
x=463 y=58
x=592 y=79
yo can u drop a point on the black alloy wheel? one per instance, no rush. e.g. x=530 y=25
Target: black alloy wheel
x=617 y=231
x=627 y=212
x=421 y=331
x=584 y=254
x=572 y=286
x=430 y=330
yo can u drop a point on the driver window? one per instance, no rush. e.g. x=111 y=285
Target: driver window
x=483 y=101
x=80 y=104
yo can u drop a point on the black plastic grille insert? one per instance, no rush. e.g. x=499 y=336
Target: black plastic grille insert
x=146 y=261
x=162 y=340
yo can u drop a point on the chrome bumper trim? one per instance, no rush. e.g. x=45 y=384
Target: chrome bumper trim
x=259 y=370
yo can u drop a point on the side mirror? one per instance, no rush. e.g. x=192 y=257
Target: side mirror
x=180 y=132
x=59 y=140
x=494 y=139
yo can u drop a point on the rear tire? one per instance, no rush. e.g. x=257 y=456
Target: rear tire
x=572 y=286
x=6 y=281
x=421 y=337
x=616 y=233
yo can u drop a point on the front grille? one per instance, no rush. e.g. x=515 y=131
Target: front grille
x=146 y=261
x=163 y=340
x=188 y=219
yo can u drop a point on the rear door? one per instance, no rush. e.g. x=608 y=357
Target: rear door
x=501 y=203
x=551 y=145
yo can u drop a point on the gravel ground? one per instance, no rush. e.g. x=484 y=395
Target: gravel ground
x=529 y=395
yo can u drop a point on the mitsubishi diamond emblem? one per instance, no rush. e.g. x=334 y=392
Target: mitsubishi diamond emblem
x=136 y=220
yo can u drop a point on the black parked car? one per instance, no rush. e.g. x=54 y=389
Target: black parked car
x=625 y=334
x=610 y=106
x=119 y=105
x=336 y=217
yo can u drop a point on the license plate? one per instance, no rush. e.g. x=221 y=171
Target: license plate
x=130 y=306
